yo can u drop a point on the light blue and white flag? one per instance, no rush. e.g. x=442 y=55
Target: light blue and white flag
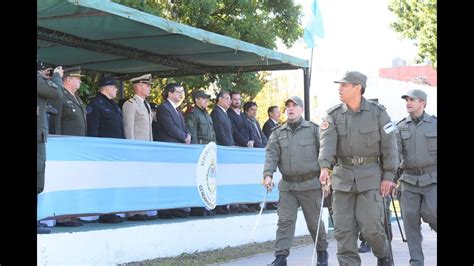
x=314 y=27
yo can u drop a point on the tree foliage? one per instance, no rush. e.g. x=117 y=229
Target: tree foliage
x=258 y=22
x=417 y=21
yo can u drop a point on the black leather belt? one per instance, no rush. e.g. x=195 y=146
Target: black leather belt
x=420 y=171
x=300 y=178
x=358 y=160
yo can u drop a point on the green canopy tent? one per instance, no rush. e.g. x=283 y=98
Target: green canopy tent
x=103 y=36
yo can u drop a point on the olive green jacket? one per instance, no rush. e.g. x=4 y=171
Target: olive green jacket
x=45 y=90
x=199 y=123
x=294 y=152
x=345 y=133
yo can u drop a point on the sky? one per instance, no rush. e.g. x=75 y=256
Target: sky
x=357 y=37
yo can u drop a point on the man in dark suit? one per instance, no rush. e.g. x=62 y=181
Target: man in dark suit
x=273 y=118
x=222 y=124
x=71 y=117
x=45 y=90
x=223 y=129
x=241 y=132
x=104 y=117
x=171 y=127
x=250 y=109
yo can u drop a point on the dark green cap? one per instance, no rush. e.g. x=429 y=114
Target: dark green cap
x=354 y=77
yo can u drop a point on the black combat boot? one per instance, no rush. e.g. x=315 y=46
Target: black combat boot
x=386 y=261
x=280 y=260
x=323 y=258
x=364 y=247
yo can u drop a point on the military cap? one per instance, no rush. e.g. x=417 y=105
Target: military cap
x=73 y=72
x=199 y=94
x=142 y=79
x=354 y=77
x=415 y=94
x=106 y=81
x=297 y=100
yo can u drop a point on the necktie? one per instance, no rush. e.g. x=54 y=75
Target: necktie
x=146 y=105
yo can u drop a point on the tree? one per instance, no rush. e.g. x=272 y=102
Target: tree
x=417 y=21
x=257 y=22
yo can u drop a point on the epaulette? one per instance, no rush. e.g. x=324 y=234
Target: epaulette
x=380 y=106
x=401 y=120
x=130 y=100
x=274 y=128
x=335 y=107
x=314 y=123
x=434 y=117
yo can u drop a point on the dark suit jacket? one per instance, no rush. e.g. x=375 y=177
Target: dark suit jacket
x=71 y=117
x=222 y=127
x=241 y=132
x=267 y=127
x=258 y=142
x=104 y=118
x=171 y=126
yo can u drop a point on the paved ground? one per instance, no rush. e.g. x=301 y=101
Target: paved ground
x=302 y=255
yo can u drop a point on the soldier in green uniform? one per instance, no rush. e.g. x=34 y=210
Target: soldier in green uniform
x=417 y=146
x=357 y=137
x=71 y=117
x=293 y=147
x=45 y=90
x=198 y=121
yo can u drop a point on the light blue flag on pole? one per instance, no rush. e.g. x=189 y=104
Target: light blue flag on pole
x=314 y=26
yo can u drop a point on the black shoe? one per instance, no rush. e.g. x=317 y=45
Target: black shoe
x=364 y=247
x=386 y=261
x=138 y=217
x=69 y=224
x=280 y=260
x=42 y=230
x=110 y=219
x=322 y=258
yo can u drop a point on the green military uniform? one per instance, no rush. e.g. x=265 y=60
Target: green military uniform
x=364 y=155
x=199 y=123
x=71 y=116
x=417 y=146
x=295 y=153
x=45 y=90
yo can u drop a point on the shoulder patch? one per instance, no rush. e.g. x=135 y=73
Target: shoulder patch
x=324 y=125
x=89 y=109
x=401 y=121
x=335 y=107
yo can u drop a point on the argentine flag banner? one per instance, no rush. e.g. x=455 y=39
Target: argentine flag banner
x=88 y=176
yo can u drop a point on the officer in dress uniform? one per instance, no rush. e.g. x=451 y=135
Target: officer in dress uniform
x=137 y=116
x=417 y=146
x=71 y=117
x=358 y=138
